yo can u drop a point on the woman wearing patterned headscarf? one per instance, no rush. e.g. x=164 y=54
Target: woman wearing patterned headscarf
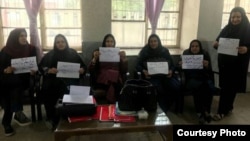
x=233 y=69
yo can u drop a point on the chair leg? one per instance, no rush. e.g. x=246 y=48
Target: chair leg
x=32 y=102
x=38 y=105
x=39 y=111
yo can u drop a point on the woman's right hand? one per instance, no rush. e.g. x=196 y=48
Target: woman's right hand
x=96 y=55
x=52 y=71
x=9 y=69
x=146 y=74
x=216 y=44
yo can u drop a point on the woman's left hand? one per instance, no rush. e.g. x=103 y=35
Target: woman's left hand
x=170 y=72
x=242 y=49
x=122 y=55
x=33 y=72
x=205 y=63
x=81 y=71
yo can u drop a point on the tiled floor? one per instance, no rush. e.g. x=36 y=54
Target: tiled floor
x=39 y=132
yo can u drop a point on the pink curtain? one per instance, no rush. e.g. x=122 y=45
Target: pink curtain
x=153 y=9
x=32 y=8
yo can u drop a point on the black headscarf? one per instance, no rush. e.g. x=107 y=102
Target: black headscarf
x=60 y=54
x=236 y=31
x=154 y=52
x=66 y=55
x=14 y=48
x=105 y=38
x=148 y=54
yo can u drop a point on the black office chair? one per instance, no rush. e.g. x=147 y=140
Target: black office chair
x=31 y=96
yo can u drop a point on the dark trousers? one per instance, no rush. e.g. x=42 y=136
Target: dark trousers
x=168 y=90
x=228 y=84
x=52 y=90
x=12 y=102
x=202 y=95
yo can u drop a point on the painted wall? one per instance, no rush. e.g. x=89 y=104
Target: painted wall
x=96 y=15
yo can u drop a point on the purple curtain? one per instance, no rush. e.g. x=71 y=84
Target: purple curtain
x=32 y=8
x=153 y=9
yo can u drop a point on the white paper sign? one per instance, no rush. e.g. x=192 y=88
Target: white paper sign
x=78 y=95
x=24 y=65
x=68 y=70
x=108 y=54
x=77 y=99
x=79 y=90
x=192 y=61
x=157 y=67
x=228 y=46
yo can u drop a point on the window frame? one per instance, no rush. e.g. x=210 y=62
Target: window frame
x=148 y=28
x=226 y=14
x=42 y=27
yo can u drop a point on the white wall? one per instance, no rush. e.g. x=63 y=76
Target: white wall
x=96 y=17
x=189 y=25
x=201 y=20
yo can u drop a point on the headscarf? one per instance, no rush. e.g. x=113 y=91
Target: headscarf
x=106 y=37
x=237 y=31
x=200 y=46
x=154 y=52
x=60 y=54
x=13 y=47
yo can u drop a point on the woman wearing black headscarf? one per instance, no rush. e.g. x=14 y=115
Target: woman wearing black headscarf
x=233 y=69
x=13 y=85
x=167 y=85
x=53 y=88
x=200 y=82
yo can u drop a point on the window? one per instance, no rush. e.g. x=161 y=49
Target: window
x=168 y=23
x=229 y=5
x=131 y=27
x=54 y=17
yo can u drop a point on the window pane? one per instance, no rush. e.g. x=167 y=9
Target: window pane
x=63 y=4
x=225 y=19
x=73 y=36
x=129 y=34
x=15 y=18
x=168 y=37
x=128 y=10
x=171 y=5
x=245 y=4
x=228 y=6
x=168 y=20
x=12 y=3
x=63 y=18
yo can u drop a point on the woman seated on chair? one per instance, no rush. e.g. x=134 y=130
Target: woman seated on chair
x=13 y=85
x=199 y=81
x=53 y=87
x=108 y=76
x=168 y=86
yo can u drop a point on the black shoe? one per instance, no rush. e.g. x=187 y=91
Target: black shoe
x=9 y=131
x=22 y=119
x=208 y=118
x=202 y=119
x=51 y=125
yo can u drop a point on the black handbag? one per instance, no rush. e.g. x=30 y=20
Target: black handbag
x=137 y=94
